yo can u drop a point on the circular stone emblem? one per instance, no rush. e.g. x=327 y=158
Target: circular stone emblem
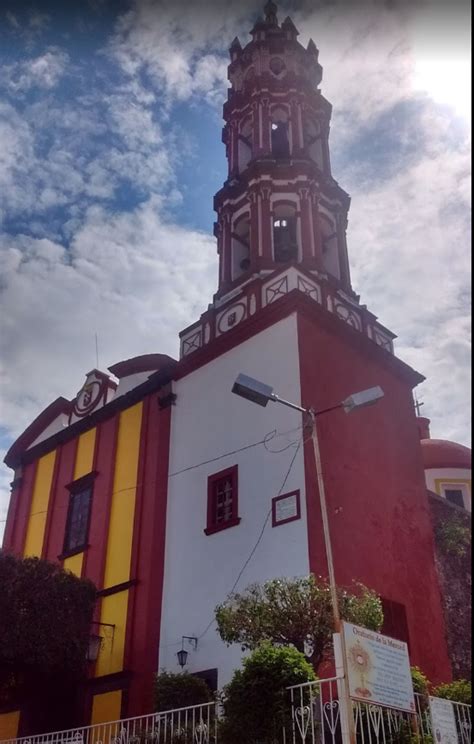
x=277 y=65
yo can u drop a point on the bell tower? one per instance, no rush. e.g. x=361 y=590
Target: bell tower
x=281 y=216
x=280 y=203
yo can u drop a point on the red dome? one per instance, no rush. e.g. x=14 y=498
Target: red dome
x=439 y=453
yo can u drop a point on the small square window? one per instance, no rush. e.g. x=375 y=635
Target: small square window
x=222 y=500
x=78 y=516
x=455 y=496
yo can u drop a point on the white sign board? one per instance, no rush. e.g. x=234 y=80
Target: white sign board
x=378 y=669
x=443 y=721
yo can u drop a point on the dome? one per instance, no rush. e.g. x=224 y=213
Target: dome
x=440 y=453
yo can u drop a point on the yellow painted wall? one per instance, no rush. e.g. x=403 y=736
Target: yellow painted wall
x=84 y=454
x=113 y=611
x=119 y=545
x=74 y=564
x=106 y=707
x=9 y=724
x=39 y=505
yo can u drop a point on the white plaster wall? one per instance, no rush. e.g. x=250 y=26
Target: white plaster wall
x=132 y=381
x=458 y=477
x=209 y=420
x=59 y=423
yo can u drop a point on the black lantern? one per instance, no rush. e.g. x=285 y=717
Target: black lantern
x=182 y=657
x=95 y=642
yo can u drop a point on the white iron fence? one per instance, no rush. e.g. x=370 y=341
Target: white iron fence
x=193 y=725
x=316 y=719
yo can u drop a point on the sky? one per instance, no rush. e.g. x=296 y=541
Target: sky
x=111 y=152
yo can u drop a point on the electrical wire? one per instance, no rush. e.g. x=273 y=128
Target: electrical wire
x=267 y=438
x=300 y=442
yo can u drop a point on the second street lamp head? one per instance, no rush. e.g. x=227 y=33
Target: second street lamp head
x=253 y=390
x=364 y=398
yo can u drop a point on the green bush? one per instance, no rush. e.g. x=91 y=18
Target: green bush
x=256 y=701
x=179 y=691
x=458 y=691
x=454 y=536
x=421 y=683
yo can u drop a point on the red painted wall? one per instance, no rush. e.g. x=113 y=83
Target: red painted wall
x=377 y=503
x=148 y=554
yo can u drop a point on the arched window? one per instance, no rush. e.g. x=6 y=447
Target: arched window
x=280 y=132
x=245 y=144
x=240 y=245
x=329 y=245
x=285 y=240
x=313 y=142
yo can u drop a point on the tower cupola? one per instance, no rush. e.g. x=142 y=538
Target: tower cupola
x=281 y=217
x=280 y=203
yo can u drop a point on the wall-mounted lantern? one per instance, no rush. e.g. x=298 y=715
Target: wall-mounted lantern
x=95 y=642
x=183 y=654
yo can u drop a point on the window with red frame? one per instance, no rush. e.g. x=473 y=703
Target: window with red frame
x=222 y=500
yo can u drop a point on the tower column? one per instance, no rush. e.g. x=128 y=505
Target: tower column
x=341 y=224
x=226 y=247
x=265 y=122
x=325 y=146
x=266 y=222
x=318 y=247
x=307 y=233
x=256 y=129
x=296 y=126
x=254 y=238
x=234 y=148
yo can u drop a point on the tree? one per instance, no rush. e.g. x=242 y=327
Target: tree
x=256 y=702
x=179 y=691
x=295 y=612
x=45 y=618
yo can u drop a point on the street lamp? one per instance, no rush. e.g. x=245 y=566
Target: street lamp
x=260 y=393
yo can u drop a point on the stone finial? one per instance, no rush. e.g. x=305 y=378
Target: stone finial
x=236 y=46
x=312 y=48
x=290 y=27
x=270 y=11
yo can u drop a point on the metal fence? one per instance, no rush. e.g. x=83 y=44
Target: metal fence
x=316 y=719
x=193 y=725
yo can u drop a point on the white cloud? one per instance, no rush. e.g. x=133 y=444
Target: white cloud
x=131 y=278
x=43 y=71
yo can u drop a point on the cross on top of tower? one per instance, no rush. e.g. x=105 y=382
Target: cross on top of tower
x=418 y=405
x=270 y=11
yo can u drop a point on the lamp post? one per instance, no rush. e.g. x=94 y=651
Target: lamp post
x=261 y=393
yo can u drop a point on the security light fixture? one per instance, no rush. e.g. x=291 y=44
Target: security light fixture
x=364 y=398
x=253 y=390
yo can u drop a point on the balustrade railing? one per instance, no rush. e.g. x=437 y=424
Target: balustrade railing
x=193 y=725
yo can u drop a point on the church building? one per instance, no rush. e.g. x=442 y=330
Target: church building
x=168 y=491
